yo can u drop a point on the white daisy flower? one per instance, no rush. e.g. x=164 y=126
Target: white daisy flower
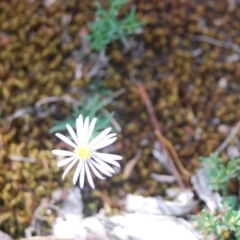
x=85 y=152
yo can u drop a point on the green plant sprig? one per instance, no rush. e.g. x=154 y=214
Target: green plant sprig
x=91 y=108
x=220 y=174
x=108 y=28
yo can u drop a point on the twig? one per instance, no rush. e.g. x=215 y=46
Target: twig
x=104 y=110
x=19 y=113
x=163 y=178
x=118 y=93
x=113 y=120
x=41 y=114
x=146 y=100
x=153 y=119
x=22 y=159
x=56 y=99
x=173 y=152
x=232 y=134
x=84 y=40
x=219 y=43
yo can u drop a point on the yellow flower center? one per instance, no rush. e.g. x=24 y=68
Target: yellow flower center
x=83 y=152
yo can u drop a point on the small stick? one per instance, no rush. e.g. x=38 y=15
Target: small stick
x=63 y=98
x=232 y=134
x=113 y=120
x=218 y=43
x=28 y=110
x=22 y=159
x=173 y=152
x=153 y=119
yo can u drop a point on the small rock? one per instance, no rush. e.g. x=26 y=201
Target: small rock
x=224 y=129
x=4 y=236
x=233 y=151
x=222 y=83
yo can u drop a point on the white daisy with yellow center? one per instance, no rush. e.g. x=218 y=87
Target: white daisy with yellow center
x=85 y=152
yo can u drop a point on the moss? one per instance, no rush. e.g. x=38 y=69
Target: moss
x=35 y=62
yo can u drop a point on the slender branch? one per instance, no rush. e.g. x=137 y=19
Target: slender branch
x=173 y=152
x=153 y=119
x=22 y=159
x=219 y=43
x=41 y=114
x=63 y=98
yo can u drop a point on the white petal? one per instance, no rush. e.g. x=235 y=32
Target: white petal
x=105 y=138
x=79 y=127
x=85 y=130
x=69 y=167
x=104 y=165
x=108 y=156
x=100 y=168
x=65 y=161
x=89 y=177
x=100 y=136
x=66 y=140
x=106 y=160
x=112 y=162
x=108 y=137
x=95 y=170
x=72 y=133
x=90 y=130
x=62 y=153
x=103 y=144
x=82 y=175
x=77 y=172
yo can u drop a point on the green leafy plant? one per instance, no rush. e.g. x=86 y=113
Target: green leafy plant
x=90 y=107
x=207 y=222
x=225 y=222
x=108 y=27
x=219 y=173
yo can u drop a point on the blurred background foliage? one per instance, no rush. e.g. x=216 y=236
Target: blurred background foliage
x=193 y=83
